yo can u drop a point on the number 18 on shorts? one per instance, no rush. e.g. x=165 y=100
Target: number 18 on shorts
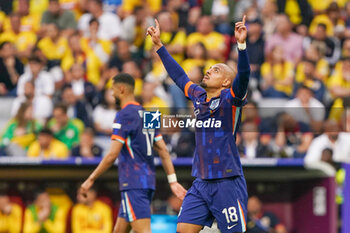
x=224 y=200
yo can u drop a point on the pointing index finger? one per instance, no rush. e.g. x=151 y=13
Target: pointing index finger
x=243 y=21
x=157 y=23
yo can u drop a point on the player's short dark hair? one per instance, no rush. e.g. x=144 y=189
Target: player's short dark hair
x=61 y=106
x=124 y=78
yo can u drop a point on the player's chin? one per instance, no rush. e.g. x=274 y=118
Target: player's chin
x=203 y=84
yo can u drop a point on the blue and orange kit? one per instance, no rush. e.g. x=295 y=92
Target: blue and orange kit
x=135 y=162
x=216 y=155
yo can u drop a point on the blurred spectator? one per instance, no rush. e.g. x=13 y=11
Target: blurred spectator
x=135 y=26
x=10 y=215
x=347 y=14
x=64 y=129
x=269 y=18
x=11 y=68
x=159 y=78
x=346 y=48
x=299 y=11
x=339 y=82
x=87 y=148
x=20 y=131
x=259 y=221
x=194 y=15
x=277 y=74
x=43 y=216
x=179 y=10
x=36 y=7
x=307 y=76
x=199 y=58
x=241 y=7
x=6 y=6
x=293 y=138
x=90 y=214
x=133 y=69
x=55 y=14
x=330 y=45
x=42 y=104
x=153 y=6
x=222 y=12
x=104 y=114
x=214 y=42
x=29 y=21
x=150 y=100
x=43 y=81
x=111 y=5
x=172 y=38
x=81 y=53
x=76 y=108
x=251 y=147
x=314 y=57
x=307 y=109
x=23 y=41
x=102 y=48
x=82 y=89
x=332 y=20
x=47 y=147
x=287 y=39
x=55 y=48
x=123 y=54
x=110 y=26
x=256 y=43
x=334 y=140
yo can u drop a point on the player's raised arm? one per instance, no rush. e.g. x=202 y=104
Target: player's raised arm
x=168 y=166
x=104 y=165
x=240 y=84
x=174 y=70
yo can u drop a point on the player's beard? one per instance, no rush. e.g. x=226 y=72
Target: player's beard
x=203 y=84
x=117 y=103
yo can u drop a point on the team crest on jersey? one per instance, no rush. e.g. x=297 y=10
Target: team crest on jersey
x=214 y=104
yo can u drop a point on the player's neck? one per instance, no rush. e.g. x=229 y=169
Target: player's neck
x=126 y=100
x=211 y=93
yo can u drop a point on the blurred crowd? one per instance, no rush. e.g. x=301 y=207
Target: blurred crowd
x=52 y=210
x=57 y=58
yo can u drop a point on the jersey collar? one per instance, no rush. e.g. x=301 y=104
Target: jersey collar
x=130 y=103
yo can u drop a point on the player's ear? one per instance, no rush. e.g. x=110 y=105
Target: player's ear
x=226 y=83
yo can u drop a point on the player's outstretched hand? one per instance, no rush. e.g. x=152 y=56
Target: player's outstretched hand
x=84 y=188
x=154 y=32
x=178 y=190
x=241 y=31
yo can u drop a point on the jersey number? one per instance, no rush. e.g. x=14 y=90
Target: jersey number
x=230 y=214
x=149 y=134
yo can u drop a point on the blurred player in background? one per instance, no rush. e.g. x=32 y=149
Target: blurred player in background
x=220 y=190
x=136 y=166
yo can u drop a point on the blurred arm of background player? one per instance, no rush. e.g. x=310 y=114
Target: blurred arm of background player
x=104 y=165
x=112 y=155
x=168 y=166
